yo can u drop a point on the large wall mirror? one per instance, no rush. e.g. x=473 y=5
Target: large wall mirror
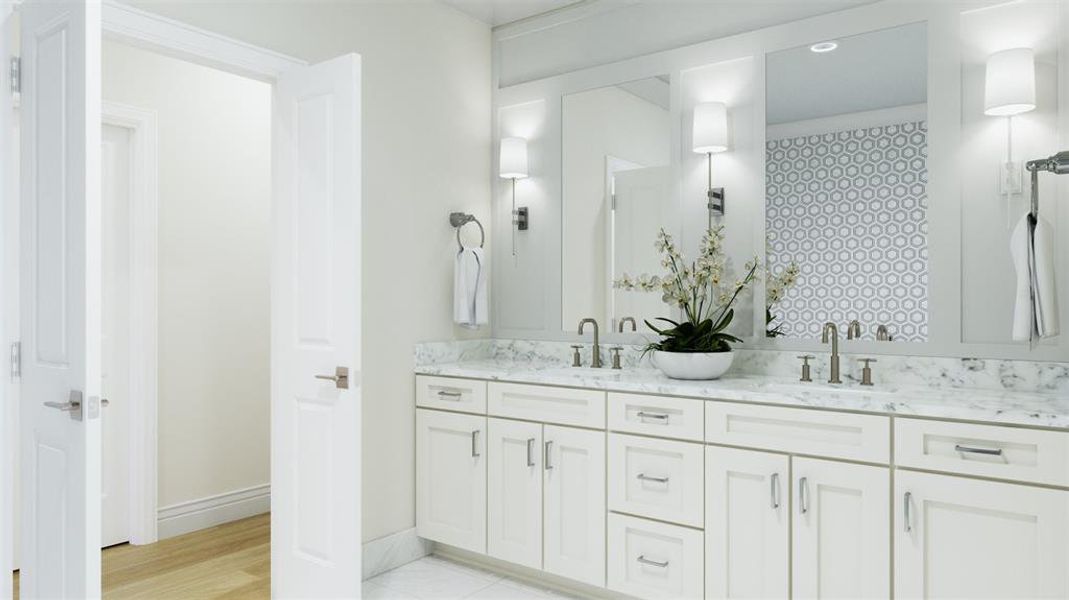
x=617 y=191
x=846 y=185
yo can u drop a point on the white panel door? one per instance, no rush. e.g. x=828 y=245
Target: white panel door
x=963 y=538
x=451 y=479
x=574 y=503
x=747 y=524
x=60 y=299
x=315 y=332
x=514 y=491
x=841 y=526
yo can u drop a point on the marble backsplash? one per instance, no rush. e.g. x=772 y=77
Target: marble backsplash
x=923 y=371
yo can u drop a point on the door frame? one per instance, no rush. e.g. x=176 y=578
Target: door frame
x=142 y=235
x=143 y=29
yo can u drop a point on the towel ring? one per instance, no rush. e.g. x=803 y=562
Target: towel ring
x=459 y=220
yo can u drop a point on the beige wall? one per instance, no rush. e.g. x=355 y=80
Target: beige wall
x=214 y=258
x=427 y=152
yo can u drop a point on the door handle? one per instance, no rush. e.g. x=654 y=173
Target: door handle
x=546 y=454
x=475 y=444
x=803 y=495
x=530 y=452
x=775 y=490
x=340 y=378
x=73 y=405
x=907 y=517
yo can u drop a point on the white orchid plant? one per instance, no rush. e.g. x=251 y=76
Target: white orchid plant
x=703 y=290
x=776 y=287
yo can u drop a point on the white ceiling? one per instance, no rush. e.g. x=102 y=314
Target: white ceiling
x=500 y=12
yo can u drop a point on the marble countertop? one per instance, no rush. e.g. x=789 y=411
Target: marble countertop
x=1003 y=407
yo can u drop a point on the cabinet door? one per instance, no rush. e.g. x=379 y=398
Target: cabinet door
x=575 y=503
x=842 y=531
x=963 y=538
x=514 y=491
x=451 y=479
x=747 y=524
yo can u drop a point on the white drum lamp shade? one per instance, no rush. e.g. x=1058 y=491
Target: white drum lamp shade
x=710 y=134
x=1010 y=83
x=513 y=162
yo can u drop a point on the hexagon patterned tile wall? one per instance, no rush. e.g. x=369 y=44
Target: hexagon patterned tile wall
x=850 y=207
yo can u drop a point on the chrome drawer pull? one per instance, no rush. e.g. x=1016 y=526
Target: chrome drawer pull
x=530 y=452
x=907 y=518
x=645 y=477
x=475 y=444
x=975 y=450
x=803 y=495
x=547 y=448
x=450 y=394
x=663 y=418
x=653 y=563
x=775 y=490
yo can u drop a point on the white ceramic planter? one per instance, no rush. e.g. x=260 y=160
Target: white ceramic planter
x=693 y=365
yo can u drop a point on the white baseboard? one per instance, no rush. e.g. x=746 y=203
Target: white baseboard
x=194 y=515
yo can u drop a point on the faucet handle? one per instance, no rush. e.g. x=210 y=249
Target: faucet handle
x=866 y=371
x=577 y=360
x=806 y=371
x=615 y=351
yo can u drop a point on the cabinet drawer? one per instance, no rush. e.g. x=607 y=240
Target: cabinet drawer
x=1030 y=455
x=563 y=406
x=660 y=479
x=654 y=560
x=681 y=418
x=798 y=430
x=450 y=393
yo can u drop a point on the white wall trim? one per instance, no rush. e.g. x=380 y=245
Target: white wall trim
x=147 y=30
x=144 y=327
x=848 y=122
x=194 y=515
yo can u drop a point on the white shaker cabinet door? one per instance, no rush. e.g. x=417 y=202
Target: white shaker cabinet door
x=514 y=493
x=451 y=479
x=842 y=531
x=747 y=524
x=963 y=538
x=575 y=503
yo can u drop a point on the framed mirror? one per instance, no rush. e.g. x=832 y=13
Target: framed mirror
x=617 y=192
x=846 y=177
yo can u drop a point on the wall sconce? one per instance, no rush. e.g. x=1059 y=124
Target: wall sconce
x=513 y=165
x=710 y=136
x=1009 y=90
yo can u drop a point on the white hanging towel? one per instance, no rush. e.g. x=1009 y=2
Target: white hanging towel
x=470 y=307
x=1035 y=314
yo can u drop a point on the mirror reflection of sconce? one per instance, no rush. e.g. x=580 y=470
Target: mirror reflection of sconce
x=513 y=165
x=1010 y=90
x=710 y=136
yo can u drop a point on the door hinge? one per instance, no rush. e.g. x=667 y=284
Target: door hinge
x=613 y=201
x=15 y=73
x=16 y=361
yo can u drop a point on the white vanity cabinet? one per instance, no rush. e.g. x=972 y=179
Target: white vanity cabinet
x=451 y=478
x=663 y=497
x=966 y=538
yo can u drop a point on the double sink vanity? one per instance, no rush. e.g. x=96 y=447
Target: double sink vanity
x=630 y=484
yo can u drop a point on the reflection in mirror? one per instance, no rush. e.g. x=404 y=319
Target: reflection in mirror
x=846 y=185
x=616 y=194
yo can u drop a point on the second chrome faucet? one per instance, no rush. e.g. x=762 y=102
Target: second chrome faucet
x=596 y=360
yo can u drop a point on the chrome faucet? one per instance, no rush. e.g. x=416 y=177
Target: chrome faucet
x=853 y=330
x=596 y=360
x=834 y=337
x=625 y=320
x=882 y=334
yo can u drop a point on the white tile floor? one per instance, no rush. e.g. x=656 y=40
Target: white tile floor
x=434 y=578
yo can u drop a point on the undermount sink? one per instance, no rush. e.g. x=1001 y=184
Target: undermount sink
x=584 y=372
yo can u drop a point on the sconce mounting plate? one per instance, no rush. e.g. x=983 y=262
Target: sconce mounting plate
x=522 y=218
x=716 y=201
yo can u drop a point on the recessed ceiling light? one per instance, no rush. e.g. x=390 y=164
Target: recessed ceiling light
x=824 y=47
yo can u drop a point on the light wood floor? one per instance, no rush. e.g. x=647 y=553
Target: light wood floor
x=229 y=561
